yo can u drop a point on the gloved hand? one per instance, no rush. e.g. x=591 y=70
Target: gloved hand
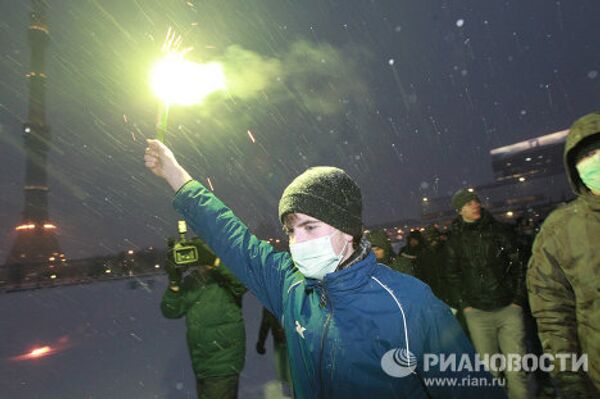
x=175 y=274
x=260 y=348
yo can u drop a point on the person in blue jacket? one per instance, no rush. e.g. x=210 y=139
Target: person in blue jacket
x=354 y=328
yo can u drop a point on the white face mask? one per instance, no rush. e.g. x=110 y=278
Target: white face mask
x=315 y=258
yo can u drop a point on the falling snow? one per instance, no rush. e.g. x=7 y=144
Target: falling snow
x=403 y=95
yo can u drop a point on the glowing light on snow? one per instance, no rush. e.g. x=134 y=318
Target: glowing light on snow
x=37 y=352
x=25 y=227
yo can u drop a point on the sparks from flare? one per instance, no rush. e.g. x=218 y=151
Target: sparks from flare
x=176 y=80
x=251 y=137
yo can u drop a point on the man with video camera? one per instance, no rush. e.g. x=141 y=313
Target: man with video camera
x=210 y=298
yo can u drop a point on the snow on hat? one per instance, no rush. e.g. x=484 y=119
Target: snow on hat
x=328 y=194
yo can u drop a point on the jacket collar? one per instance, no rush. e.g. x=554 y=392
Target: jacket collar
x=486 y=219
x=364 y=248
x=347 y=279
x=592 y=201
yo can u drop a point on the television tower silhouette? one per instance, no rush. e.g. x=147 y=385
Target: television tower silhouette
x=36 y=242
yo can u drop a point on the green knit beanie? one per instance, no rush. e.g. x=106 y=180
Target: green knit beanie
x=462 y=196
x=328 y=194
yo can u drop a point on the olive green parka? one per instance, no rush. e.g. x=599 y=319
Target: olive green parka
x=563 y=276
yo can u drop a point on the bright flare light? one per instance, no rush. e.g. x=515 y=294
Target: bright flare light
x=179 y=81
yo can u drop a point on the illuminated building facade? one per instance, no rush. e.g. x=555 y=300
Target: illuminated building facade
x=530 y=181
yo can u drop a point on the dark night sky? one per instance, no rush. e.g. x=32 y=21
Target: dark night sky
x=408 y=97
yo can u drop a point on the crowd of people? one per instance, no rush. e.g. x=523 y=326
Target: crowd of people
x=358 y=319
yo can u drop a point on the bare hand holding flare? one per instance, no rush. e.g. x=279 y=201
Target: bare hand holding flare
x=161 y=161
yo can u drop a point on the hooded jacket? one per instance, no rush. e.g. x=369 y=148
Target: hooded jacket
x=563 y=275
x=378 y=238
x=484 y=269
x=346 y=334
x=400 y=264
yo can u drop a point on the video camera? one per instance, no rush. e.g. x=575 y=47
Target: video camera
x=185 y=253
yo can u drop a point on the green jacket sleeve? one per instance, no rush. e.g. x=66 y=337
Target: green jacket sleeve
x=173 y=304
x=552 y=302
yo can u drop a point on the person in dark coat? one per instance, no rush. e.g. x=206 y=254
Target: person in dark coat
x=406 y=261
x=210 y=299
x=486 y=279
x=382 y=248
x=269 y=323
x=430 y=262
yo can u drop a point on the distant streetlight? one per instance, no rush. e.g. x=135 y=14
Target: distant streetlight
x=510 y=214
x=425 y=199
x=522 y=179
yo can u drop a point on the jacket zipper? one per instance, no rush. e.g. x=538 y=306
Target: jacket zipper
x=324 y=303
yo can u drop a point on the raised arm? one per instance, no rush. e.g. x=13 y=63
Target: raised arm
x=256 y=263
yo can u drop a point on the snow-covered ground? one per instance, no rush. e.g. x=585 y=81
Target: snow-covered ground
x=109 y=340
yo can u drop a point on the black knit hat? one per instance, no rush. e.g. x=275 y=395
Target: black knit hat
x=328 y=194
x=462 y=196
